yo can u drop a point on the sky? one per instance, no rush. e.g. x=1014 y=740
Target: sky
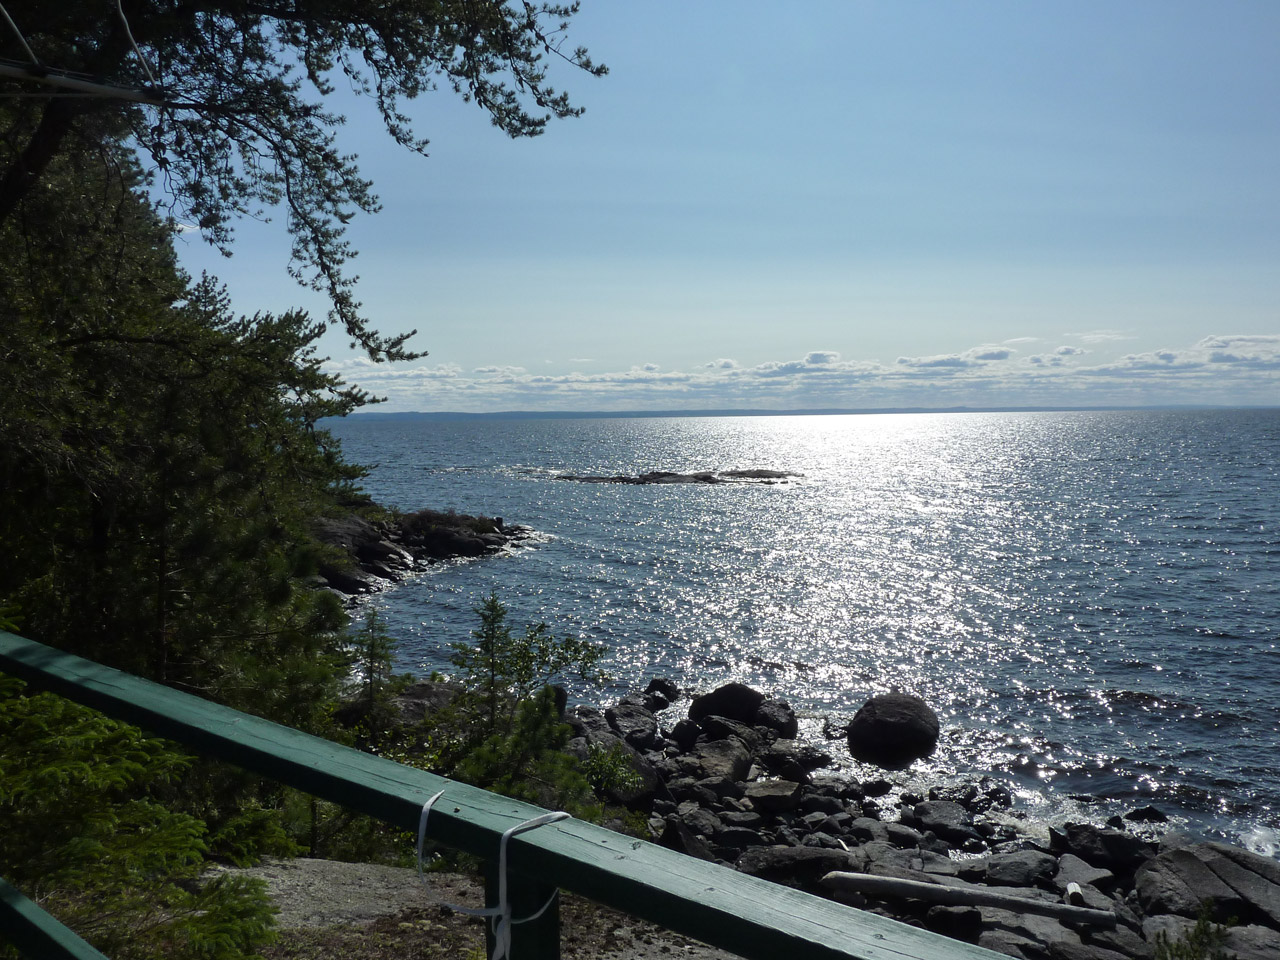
x=853 y=204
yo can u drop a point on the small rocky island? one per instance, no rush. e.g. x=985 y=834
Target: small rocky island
x=703 y=476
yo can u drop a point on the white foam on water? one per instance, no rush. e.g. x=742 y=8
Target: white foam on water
x=1262 y=840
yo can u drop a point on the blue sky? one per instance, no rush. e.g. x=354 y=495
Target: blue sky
x=835 y=204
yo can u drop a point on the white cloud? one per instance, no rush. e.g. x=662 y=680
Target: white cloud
x=819 y=358
x=1100 y=336
x=1222 y=369
x=500 y=371
x=990 y=353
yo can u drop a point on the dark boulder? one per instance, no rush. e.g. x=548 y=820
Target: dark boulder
x=778 y=716
x=946 y=819
x=1071 y=869
x=893 y=730
x=700 y=820
x=716 y=727
x=350 y=582
x=443 y=544
x=684 y=734
x=794 y=866
x=589 y=722
x=736 y=701
x=676 y=836
x=1147 y=814
x=719 y=758
x=634 y=724
x=773 y=796
x=739 y=838
x=793 y=759
x=1115 y=850
x=1238 y=883
x=665 y=687
x=1022 y=868
x=959 y=923
x=1179 y=882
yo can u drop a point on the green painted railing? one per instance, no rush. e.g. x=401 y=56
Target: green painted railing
x=35 y=933
x=741 y=914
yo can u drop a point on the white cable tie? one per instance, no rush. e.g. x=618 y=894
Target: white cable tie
x=21 y=39
x=501 y=912
x=134 y=43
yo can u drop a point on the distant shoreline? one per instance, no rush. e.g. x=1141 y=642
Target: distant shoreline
x=448 y=415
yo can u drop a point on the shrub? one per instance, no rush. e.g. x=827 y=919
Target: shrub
x=87 y=840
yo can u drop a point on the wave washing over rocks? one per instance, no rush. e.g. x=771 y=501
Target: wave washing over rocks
x=730 y=783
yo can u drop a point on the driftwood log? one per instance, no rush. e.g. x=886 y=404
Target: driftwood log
x=877 y=886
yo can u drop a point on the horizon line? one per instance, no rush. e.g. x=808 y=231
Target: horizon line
x=771 y=412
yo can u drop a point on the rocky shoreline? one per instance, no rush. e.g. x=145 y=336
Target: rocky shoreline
x=727 y=780
x=370 y=555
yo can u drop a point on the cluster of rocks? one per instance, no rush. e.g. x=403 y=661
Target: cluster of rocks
x=369 y=554
x=702 y=476
x=729 y=782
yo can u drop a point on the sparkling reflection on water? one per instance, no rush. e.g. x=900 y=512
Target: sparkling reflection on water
x=1089 y=600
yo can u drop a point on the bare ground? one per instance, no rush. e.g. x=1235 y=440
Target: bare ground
x=348 y=911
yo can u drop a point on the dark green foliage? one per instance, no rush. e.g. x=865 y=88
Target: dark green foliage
x=86 y=838
x=501 y=670
x=503 y=731
x=372 y=650
x=159 y=459
x=1205 y=941
x=160 y=468
x=609 y=768
x=425 y=520
x=239 y=127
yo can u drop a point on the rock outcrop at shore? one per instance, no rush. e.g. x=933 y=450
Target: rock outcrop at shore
x=703 y=476
x=374 y=553
x=729 y=782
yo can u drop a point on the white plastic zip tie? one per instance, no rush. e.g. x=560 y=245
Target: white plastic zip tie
x=21 y=39
x=500 y=914
x=134 y=43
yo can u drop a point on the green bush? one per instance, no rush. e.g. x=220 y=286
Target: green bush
x=1205 y=941
x=87 y=839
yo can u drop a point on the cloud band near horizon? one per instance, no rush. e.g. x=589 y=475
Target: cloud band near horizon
x=1236 y=370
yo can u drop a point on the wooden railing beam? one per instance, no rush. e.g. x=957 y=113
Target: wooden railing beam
x=36 y=934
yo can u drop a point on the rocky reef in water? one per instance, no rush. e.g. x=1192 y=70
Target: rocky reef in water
x=370 y=554
x=705 y=476
x=727 y=780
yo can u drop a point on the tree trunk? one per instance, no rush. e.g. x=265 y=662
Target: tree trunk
x=29 y=165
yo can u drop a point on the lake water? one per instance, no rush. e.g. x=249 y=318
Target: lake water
x=1090 y=601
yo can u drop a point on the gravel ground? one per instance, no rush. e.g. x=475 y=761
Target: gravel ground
x=333 y=911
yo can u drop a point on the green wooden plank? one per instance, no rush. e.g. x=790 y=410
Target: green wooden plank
x=744 y=915
x=35 y=933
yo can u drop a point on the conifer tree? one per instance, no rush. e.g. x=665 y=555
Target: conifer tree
x=226 y=102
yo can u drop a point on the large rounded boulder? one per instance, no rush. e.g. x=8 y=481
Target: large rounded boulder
x=893 y=730
x=736 y=701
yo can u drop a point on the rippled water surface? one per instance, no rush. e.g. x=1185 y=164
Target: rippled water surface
x=1091 y=601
